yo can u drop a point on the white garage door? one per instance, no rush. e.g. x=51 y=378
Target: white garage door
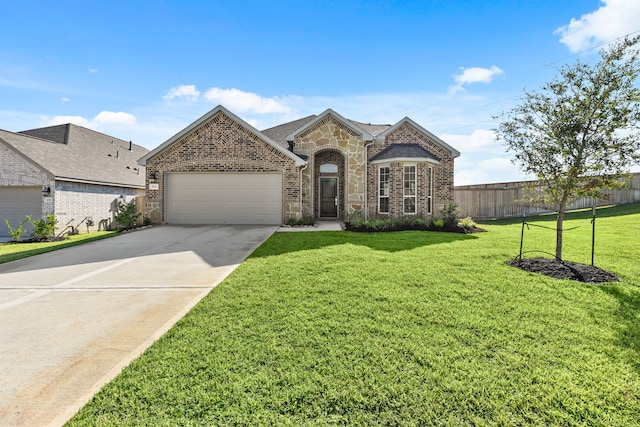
x=16 y=203
x=223 y=198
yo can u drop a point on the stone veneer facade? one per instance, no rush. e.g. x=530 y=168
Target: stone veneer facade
x=221 y=145
x=331 y=135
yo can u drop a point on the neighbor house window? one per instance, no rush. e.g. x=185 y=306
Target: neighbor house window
x=409 y=191
x=429 y=189
x=383 y=189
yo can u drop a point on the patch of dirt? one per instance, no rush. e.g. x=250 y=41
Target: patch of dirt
x=564 y=270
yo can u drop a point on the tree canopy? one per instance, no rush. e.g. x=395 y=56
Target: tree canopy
x=579 y=133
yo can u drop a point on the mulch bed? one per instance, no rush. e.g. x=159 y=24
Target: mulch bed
x=39 y=240
x=455 y=229
x=564 y=270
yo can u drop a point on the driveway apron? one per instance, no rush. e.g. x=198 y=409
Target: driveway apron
x=70 y=320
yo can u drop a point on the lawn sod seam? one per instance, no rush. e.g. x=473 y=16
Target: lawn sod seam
x=409 y=328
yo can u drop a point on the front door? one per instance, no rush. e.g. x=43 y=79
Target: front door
x=328 y=197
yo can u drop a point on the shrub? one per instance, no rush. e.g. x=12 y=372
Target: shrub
x=44 y=228
x=467 y=222
x=307 y=220
x=146 y=220
x=16 y=234
x=438 y=223
x=291 y=221
x=127 y=215
x=449 y=214
x=356 y=219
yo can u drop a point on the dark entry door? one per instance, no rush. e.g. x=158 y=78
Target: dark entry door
x=329 y=197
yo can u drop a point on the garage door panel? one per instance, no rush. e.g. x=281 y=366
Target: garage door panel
x=16 y=203
x=224 y=198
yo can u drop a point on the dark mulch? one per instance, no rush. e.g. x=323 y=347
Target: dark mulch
x=40 y=239
x=448 y=229
x=564 y=270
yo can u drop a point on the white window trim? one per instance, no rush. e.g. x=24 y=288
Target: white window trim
x=388 y=197
x=429 y=190
x=415 y=186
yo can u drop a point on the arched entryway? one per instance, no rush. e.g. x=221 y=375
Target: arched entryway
x=330 y=182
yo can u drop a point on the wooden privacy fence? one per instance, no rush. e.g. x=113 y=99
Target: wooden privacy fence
x=486 y=201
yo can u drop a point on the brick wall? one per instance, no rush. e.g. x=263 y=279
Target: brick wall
x=222 y=145
x=442 y=174
x=74 y=202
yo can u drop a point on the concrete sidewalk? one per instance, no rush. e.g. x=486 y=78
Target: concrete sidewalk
x=319 y=226
x=70 y=320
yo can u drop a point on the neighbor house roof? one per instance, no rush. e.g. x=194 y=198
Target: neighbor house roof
x=406 y=153
x=74 y=153
x=208 y=116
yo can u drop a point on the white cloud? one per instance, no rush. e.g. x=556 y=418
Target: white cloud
x=246 y=102
x=93 y=70
x=613 y=19
x=60 y=120
x=474 y=75
x=64 y=99
x=479 y=140
x=114 y=118
x=99 y=122
x=496 y=169
x=184 y=92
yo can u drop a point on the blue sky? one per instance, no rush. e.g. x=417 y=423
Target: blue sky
x=144 y=70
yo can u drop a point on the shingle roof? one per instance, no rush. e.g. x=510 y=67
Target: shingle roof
x=404 y=151
x=71 y=152
x=279 y=133
x=373 y=129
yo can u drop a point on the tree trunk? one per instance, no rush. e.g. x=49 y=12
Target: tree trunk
x=559 y=221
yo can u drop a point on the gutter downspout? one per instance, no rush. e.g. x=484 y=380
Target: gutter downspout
x=366 y=178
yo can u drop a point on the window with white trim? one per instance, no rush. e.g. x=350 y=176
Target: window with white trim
x=409 y=189
x=383 y=189
x=429 y=189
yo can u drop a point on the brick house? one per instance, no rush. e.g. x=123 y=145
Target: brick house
x=221 y=170
x=69 y=171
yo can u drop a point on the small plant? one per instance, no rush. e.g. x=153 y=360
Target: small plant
x=146 y=220
x=292 y=221
x=44 y=228
x=467 y=222
x=127 y=215
x=438 y=223
x=449 y=214
x=307 y=220
x=16 y=234
x=356 y=219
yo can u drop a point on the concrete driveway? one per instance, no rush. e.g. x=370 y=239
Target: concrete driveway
x=70 y=320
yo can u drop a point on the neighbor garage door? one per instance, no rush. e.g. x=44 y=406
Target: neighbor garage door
x=16 y=203
x=223 y=198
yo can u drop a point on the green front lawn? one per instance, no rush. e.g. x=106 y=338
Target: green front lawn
x=15 y=251
x=408 y=328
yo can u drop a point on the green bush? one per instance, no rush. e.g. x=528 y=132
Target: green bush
x=467 y=222
x=438 y=223
x=16 y=234
x=449 y=214
x=44 y=228
x=146 y=220
x=127 y=215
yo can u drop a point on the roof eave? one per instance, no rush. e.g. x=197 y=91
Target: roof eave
x=454 y=153
x=366 y=136
x=143 y=161
x=406 y=160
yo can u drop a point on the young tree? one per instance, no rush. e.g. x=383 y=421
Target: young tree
x=579 y=133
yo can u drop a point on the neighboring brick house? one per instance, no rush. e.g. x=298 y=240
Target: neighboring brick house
x=69 y=171
x=220 y=169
